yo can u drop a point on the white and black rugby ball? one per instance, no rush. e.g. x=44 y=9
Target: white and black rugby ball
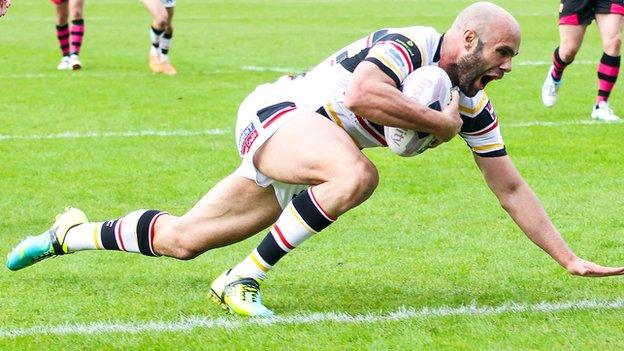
x=429 y=86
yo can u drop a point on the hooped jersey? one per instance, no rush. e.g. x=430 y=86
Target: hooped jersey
x=397 y=52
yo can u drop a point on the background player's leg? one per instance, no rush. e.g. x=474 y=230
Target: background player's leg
x=610 y=27
x=570 y=39
x=77 y=32
x=62 y=32
x=165 y=44
x=160 y=18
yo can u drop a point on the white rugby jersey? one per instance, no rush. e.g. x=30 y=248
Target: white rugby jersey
x=397 y=52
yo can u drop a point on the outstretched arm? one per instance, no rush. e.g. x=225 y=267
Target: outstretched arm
x=517 y=198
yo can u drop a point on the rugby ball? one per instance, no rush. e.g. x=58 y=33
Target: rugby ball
x=429 y=86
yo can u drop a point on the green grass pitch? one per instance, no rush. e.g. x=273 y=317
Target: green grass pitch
x=432 y=236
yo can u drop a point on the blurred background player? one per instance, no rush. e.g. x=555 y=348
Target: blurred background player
x=161 y=34
x=574 y=17
x=70 y=38
x=4 y=6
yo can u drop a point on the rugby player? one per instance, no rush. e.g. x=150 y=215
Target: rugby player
x=300 y=140
x=69 y=37
x=574 y=17
x=161 y=35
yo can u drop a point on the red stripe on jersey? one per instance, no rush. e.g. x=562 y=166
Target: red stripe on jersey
x=404 y=54
x=118 y=235
x=281 y=237
x=371 y=131
x=486 y=130
x=277 y=115
x=318 y=206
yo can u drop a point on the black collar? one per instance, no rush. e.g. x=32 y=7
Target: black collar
x=436 y=57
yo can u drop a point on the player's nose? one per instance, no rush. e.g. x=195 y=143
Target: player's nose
x=506 y=65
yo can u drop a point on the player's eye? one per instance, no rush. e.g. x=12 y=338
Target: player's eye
x=505 y=52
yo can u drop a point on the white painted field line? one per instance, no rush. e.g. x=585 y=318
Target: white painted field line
x=548 y=63
x=192 y=133
x=140 y=133
x=576 y=122
x=297 y=70
x=518 y=63
x=272 y=69
x=404 y=313
x=252 y=68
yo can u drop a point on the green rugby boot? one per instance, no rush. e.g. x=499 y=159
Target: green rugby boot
x=239 y=295
x=48 y=244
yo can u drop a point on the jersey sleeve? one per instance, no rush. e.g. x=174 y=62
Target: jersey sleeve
x=396 y=55
x=480 y=129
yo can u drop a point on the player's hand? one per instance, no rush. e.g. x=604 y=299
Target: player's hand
x=585 y=268
x=4 y=6
x=453 y=121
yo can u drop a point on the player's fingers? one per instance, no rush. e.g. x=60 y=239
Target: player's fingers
x=606 y=271
x=454 y=97
x=600 y=271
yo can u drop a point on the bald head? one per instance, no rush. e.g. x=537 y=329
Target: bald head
x=485 y=19
x=479 y=46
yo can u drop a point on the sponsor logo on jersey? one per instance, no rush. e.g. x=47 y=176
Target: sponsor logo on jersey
x=246 y=139
x=396 y=57
x=406 y=44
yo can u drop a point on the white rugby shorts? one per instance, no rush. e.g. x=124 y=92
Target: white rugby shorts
x=260 y=115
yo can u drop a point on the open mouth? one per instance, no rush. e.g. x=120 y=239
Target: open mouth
x=486 y=78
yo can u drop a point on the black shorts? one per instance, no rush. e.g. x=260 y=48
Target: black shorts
x=582 y=12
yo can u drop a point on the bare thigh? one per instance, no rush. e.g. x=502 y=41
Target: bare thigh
x=312 y=150
x=307 y=150
x=610 y=27
x=170 y=12
x=158 y=11
x=76 y=8
x=570 y=40
x=62 y=13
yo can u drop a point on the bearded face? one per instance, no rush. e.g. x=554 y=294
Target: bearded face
x=470 y=68
x=472 y=73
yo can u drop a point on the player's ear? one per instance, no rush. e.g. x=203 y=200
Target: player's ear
x=469 y=39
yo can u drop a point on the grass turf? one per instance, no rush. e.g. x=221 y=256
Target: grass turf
x=432 y=235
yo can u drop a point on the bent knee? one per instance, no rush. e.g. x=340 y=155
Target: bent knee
x=612 y=46
x=161 y=20
x=359 y=182
x=568 y=53
x=62 y=19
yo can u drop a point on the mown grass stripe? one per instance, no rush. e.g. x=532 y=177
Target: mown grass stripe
x=217 y=131
x=128 y=134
